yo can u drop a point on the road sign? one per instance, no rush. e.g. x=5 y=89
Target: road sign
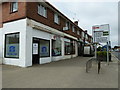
x=98 y=34
x=104 y=27
x=105 y=33
x=101 y=33
x=101 y=39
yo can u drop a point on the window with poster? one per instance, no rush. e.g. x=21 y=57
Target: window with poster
x=69 y=46
x=44 y=48
x=12 y=45
x=56 y=46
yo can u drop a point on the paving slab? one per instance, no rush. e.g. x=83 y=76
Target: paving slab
x=69 y=73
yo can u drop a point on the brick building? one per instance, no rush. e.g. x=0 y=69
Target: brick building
x=36 y=32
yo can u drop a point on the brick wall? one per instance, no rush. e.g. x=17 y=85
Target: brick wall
x=8 y=16
x=32 y=9
x=1 y=16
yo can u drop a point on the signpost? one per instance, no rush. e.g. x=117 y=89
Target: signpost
x=101 y=35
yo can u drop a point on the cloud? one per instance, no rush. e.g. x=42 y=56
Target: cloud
x=92 y=13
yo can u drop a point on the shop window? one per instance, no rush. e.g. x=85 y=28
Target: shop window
x=73 y=47
x=44 y=48
x=56 y=47
x=42 y=10
x=69 y=47
x=12 y=45
x=14 y=6
x=56 y=18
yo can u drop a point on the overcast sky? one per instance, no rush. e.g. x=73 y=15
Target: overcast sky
x=94 y=12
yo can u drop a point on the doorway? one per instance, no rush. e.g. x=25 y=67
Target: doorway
x=80 y=49
x=35 y=54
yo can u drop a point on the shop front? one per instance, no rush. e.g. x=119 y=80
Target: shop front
x=41 y=49
x=28 y=45
x=80 y=47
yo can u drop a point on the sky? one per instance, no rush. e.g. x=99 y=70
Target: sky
x=90 y=13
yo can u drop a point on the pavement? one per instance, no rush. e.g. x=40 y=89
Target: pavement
x=117 y=54
x=69 y=73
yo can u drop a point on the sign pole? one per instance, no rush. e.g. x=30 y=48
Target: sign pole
x=108 y=45
x=93 y=31
x=107 y=53
x=96 y=51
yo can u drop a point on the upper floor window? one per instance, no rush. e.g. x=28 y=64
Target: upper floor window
x=42 y=10
x=82 y=35
x=73 y=29
x=56 y=18
x=68 y=25
x=14 y=6
x=78 y=32
x=86 y=37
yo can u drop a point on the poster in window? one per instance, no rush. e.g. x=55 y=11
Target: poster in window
x=12 y=50
x=35 y=48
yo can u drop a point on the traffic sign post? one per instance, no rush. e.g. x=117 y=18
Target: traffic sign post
x=107 y=53
x=101 y=35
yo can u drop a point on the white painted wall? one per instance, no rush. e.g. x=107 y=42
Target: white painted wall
x=38 y=33
x=25 y=50
x=13 y=27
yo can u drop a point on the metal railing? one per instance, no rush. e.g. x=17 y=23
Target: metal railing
x=90 y=62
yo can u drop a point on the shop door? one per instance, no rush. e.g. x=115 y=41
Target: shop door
x=35 y=58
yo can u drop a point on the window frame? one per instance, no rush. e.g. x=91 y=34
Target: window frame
x=58 y=18
x=41 y=10
x=78 y=32
x=52 y=49
x=72 y=46
x=83 y=35
x=40 y=48
x=12 y=8
x=67 y=24
x=73 y=28
x=5 y=45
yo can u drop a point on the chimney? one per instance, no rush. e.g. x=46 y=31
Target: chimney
x=76 y=23
x=85 y=31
